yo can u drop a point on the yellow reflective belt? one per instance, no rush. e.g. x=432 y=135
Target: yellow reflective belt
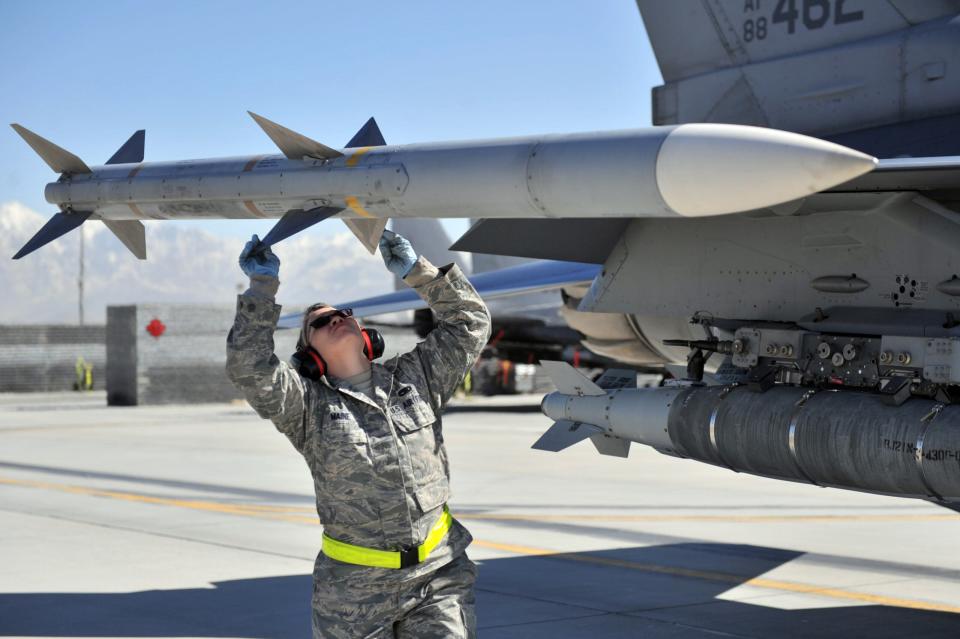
x=348 y=553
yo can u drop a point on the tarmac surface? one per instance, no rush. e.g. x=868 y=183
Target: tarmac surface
x=198 y=521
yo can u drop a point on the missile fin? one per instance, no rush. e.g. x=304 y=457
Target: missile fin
x=295 y=221
x=132 y=150
x=564 y=434
x=615 y=378
x=368 y=231
x=569 y=380
x=609 y=445
x=292 y=144
x=131 y=233
x=58 y=159
x=368 y=135
x=56 y=226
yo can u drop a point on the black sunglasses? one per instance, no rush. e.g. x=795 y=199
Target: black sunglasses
x=322 y=320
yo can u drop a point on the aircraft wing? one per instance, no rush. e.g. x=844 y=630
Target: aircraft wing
x=514 y=280
x=936 y=177
x=591 y=240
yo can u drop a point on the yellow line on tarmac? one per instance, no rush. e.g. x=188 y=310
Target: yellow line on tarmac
x=190 y=504
x=278 y=513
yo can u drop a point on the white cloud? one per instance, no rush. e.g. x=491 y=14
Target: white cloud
x=188 y=266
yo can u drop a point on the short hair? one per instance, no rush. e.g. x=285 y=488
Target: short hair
x=302 y=340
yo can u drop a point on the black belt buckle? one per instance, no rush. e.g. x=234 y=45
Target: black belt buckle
x=409 y=557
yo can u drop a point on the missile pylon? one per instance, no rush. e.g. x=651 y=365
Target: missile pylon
x=689 y=170
x=825 y=437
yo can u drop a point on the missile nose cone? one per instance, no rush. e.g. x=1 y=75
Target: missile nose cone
x=712 y=169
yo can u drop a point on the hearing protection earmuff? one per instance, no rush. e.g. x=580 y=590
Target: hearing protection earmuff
x=309 y=363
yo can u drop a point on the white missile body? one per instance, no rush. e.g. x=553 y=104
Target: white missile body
x=689 y=170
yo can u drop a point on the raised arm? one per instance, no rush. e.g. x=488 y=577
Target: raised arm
x=463 y=321
x=270 y=386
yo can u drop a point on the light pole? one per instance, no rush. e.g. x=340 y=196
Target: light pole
x=80 y=280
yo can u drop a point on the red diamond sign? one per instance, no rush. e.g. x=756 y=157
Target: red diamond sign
x=156 y=327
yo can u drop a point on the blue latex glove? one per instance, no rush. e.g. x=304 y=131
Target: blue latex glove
x=262 y=262
x=397 y=253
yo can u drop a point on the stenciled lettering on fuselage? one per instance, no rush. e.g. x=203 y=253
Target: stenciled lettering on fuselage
x=793 y=16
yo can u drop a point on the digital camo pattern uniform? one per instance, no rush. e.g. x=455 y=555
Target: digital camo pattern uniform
x=379 y=466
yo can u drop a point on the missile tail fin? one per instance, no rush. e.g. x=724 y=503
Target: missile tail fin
x=368 y=231
x=614 y=378
x=569 y=380
x=564 y=434
x=132 y=150
x=131 y=233
x=58 y=159
x=58 y=225
x=368 y=135
x=295 y=221
x=609 y=445
x=292 y=144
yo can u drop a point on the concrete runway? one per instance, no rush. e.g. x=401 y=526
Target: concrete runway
x=198 y=521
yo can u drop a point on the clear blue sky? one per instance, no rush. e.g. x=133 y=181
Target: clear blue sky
x=87 y=74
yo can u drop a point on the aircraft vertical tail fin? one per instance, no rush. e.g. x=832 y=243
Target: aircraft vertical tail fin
x=692 y=38
x=776 y=63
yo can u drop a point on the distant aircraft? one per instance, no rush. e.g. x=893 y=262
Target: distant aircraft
x=824 y=282
x=527 y=324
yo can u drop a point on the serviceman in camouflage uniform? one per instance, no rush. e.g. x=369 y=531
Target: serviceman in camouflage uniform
x=393 y=562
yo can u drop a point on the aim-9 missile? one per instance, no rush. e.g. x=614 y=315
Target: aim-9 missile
x=835 y=438
x=690 y=170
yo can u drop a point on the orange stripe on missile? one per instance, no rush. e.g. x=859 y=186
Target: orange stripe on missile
x=133 y=172
x=252 y=162
x=356 y=208
x=136 y=209
x=252 y=208
x=359 y=153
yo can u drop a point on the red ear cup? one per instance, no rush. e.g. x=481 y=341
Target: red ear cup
x=367 y=345
x=309 y=363
x=373 y=344
x=321 y=365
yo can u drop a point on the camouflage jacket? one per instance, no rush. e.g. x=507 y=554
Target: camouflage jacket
x=379 y=465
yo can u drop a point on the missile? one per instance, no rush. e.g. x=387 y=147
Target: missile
x=833 y=438
x=690 y=170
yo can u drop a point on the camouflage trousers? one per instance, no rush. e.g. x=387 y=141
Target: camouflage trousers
x=436 y=605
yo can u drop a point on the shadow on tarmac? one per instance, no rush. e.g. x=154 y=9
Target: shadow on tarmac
x=659 y=591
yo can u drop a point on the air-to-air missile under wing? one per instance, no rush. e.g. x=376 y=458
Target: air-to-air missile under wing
x=691 y=170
